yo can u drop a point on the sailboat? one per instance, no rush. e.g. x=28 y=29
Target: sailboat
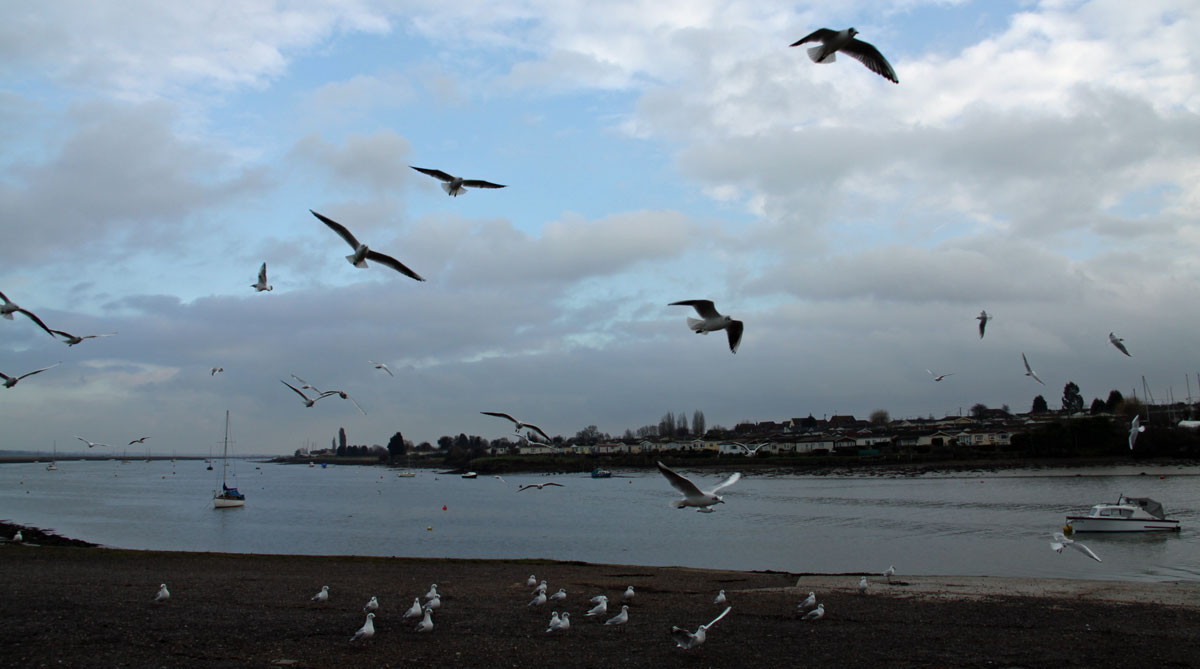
x=52 y=467
x=227 y=497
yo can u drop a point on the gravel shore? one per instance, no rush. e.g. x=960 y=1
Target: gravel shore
x=75 y=606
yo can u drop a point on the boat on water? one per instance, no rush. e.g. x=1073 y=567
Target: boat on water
x=601 y=473
x=227 y=497
x=405 y=475
x=470 y=475
x=53 y=467
x=1129 y=514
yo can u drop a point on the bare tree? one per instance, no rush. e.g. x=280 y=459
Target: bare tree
x=698 y=423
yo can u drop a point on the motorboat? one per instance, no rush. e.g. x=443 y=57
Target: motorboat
x=405 y=475
x=601 y=473
x=1129 y=514
x=470 y=475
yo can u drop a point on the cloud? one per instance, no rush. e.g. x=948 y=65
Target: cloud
x=377 y=162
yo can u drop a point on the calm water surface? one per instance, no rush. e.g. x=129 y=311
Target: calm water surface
x=998 y=523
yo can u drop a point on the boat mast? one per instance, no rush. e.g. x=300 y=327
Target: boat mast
x=225 y=457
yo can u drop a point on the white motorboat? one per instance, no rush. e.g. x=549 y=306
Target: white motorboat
x=1129 y=514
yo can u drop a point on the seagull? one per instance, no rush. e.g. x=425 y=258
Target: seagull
x=531 y=581
x=621 y=618
x=939 y=377
x=10 y=381
x=862 y=585
x=598 y=598
x=433 y=593
x=599 y=609
x=539 y=600
x=890 y=572
x=342 y=394
x=426 y=625
x=8 y=308
x=163 y=594
x=711 y=320
x=1134 y=428
x=305 y=385
x=539 y=486
x=307 y=402
x=71 y=340
x=983 y=318
x=706 y=509
x=748 y=451
x=262 y=280
x=1061 y=541
x=372 y=605
x=322 y=596
x=688 y=640
x=139 y=440
x=561 y=594
x=214 y=370
x=455 y=186
x=815 y=614
x=564 y=622
x=1029 y=371
x=808 y=603
x=361 y=253
x=434 y=603
x=519 y=424
x=367 y=630
x=380 y=365
x=555 y=621
x=1119 y=343
x=414 y=611
x=693 y=496
x=541 y=587
x=833 y=41
x=720 y=598
x=628 y=594
x=17 y=538
x=90 y=443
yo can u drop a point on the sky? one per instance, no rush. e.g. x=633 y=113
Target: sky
x=1040 y=160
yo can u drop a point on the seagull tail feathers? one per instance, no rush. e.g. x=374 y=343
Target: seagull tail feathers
x=677 y=504
x=360 y=264
x=447 y=187
x=694 y=323
x=815 y=54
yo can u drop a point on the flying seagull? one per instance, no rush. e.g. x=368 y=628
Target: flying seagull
x=380 y=365
x=539 y=486
x=361 y=253
x=342 y=394
x=1134 y=428
x=1119 y=343
x=983 y=318
x=711 y=320
x=91 y=444
x=139 y=440
x=688 y=640
x=519 y=424
x=833 y=41
x=366 y=631
x=455 y=186
x=8 y=308
x=10 y=381
x=939 y=377
x=71 y=340
x=262 y=280
x=747 y=450
x=307 y=402
x=305 y=385
x=693 y=496
x=1061 y=541
x=1029 y=371
x=214 y=370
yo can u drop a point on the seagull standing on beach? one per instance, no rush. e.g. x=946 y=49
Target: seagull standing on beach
x=380 y=365
x=10 y=381
x=621 y=618
x=1029 y=370
x=833 y=41
x=71 y=340
x=17 y=538
x=367 y=630
x=531 y=581
x=600 y=608
x=692 y=495
x=561 y=594
x=434 y=603
x=983 y=318
x=890 y=572
x=163 y=594
x=720 y=599
x=541 y=587
x=538 y=600
x=262 y=283
x=1119 y=343
x=372 y=605
x=809 y=602
x=862 y=585
x=1061 y=541
x=1135 y=427
x=426 y=624
x=711 y=321
x=689 y=640
x=815 y=614
x=554 y=622
x=414 y=611
x=455 y=186
x=519 y=424
x=361 y=253
x=628 y=595
x=322 y=596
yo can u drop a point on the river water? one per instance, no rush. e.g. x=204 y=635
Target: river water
x=994 y=523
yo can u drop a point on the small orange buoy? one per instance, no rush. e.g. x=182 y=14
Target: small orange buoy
x=443 y=507
x=429 y=529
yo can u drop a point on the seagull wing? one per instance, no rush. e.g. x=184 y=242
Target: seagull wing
x=357 y=405
x=723 y=614
x=1026 y=361
x=297 y=390
x=338 y=228
x=680 y=483
x=818 y=35
x=385 y=259
x=1035 y=378
x=703 y=307
x=5 y=298
x=538 y=430
x=33 y=317
x=868 y=55
x=557 y=484
x=526 y=487
x=682 y=637
x=500 y=414
x=262 y=273
x=1085 y=550
x=734 y=332
x=479 y=183
x=436 y=174
x=38 y=371
x=733 y=478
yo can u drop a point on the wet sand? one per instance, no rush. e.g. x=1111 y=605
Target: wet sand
x=75 y=606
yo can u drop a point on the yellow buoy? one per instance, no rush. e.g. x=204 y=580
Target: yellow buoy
x=1068 y=530
x=429 y=529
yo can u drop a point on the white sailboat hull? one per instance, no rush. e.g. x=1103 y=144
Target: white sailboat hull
x=221 y=503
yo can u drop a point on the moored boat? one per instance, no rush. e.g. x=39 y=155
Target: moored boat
x=470 y=475
x=601 y=473
x=227 y=497
x=1129 y=514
